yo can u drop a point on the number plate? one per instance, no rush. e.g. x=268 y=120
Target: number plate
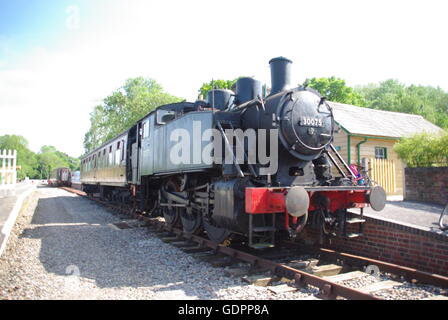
x=311 y=122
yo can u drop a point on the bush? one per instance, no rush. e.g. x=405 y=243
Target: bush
x=424 y=150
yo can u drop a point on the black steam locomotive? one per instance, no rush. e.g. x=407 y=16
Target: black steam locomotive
x=240 y=163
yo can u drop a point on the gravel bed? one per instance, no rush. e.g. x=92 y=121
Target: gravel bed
x=360 y=282
x=409 y=291
x=64 y=247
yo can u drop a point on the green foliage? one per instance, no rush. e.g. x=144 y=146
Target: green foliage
x=216 y=84
x=424 y=150
x=40 y=165
x=123 y=108
x=49 y=158
x=335 y=89
x=391 y=95
x=25 y=157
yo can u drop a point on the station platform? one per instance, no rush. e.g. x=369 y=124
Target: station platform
x=424 y=216
x=416 y=213
x=10 y=205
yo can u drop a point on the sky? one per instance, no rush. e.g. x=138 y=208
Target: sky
x=60 y=58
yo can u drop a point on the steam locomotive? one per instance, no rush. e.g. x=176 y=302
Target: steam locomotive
x=239 y=164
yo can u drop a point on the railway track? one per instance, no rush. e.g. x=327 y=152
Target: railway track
x=290 y=268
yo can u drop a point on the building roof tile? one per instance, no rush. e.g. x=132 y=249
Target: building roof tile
x=372 y=122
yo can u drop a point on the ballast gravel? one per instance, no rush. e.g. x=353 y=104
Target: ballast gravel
x=66 y=247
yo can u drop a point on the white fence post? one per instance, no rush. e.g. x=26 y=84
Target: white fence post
x=8 y=171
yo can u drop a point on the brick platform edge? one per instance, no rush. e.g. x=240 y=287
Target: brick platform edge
x=427 y=184
x=395 y=243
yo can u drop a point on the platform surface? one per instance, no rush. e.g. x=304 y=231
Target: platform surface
x=8 y=202
x=420 y=214
x=8 y=199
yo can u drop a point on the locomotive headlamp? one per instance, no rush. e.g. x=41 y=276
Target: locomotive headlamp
x=297 y=201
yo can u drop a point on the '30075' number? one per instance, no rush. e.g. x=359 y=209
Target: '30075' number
x=312 y=122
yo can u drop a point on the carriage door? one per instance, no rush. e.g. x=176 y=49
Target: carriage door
x=133 y=151
x=146 y=161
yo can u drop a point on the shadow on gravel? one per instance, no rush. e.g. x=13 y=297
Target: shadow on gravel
x=65 y=209
x=112 y=258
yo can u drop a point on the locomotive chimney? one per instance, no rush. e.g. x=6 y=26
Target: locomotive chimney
x=280 y=74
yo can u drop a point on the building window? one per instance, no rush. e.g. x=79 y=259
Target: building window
x=380 y=153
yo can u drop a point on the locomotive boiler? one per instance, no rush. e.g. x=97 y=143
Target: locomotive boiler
x=247 y=164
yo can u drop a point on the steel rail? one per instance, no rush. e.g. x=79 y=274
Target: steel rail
x=408 y=273
x=328 y=289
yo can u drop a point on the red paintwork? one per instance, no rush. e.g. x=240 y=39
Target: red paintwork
x=272 y=200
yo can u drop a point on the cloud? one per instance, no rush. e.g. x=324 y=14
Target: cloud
x=48 y=93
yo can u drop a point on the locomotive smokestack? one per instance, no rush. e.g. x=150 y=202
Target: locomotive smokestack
x=280 y=74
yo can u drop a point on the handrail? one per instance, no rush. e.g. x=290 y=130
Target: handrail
x=443 y=226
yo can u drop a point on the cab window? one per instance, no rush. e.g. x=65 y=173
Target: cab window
x=146 y=129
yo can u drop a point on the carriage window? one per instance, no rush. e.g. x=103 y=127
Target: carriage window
x=380 y=153
x=111 y=156
x=117 y=154
x=122 y=150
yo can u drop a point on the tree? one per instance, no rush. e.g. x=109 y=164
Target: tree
x=40 y=165
x=391 y=95
x=424 y=150
x=26 y=158
x=49 y=158
x=335 y=89
x=216 y=84
x=123 y=108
